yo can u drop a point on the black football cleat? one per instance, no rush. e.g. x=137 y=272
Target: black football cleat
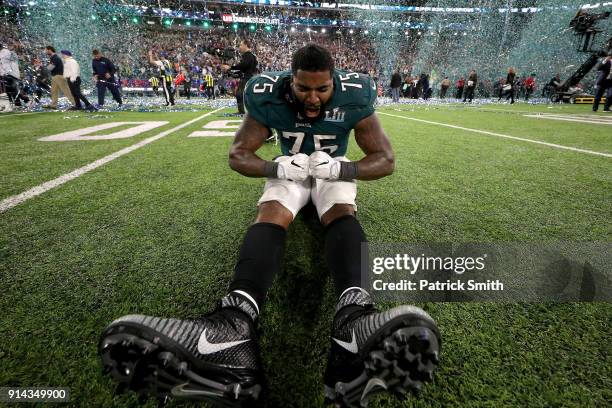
x=214 y=359
x=394 y=351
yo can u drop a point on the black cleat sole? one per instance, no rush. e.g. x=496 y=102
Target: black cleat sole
x=403 y=358
x=155 y=366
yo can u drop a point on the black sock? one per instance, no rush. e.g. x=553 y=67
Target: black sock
x=259 y=260
x=343 y=238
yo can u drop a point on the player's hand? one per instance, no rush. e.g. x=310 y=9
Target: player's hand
x=323 y=166
x=293 y=167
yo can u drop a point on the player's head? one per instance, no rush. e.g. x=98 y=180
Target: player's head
x=312 y=84
x=49 y=50
x=96 y=54
x=245 y=45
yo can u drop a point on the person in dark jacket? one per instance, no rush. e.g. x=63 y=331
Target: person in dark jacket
x=104 y=75
x=508 y=88
x=396 y=84
x=58 y=82
x=245 y=69
x=424 y=86
x=470 y=86
x=41 y=77
x=603 y=83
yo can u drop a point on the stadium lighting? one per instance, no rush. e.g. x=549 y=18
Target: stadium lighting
x=268 y=28
x=188 y=23
x=206 y=24
x=135 y=20
x=168 y=22
x=252 y=27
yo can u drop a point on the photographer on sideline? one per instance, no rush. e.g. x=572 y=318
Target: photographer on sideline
x=247 y=67
x=603 y=83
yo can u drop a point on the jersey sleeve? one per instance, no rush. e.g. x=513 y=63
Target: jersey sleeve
x=257 y=103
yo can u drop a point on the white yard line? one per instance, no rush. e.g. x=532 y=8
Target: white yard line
x=484 y=132
x=15 y=200
x=593 y=120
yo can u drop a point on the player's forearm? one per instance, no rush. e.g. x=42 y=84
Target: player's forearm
x=375 y=165
x=249 y=164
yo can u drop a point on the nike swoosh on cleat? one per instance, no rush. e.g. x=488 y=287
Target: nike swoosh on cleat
x=181 y=390
x=295 y=164
x=322 y=164
x=352 y=346
x=206 y=347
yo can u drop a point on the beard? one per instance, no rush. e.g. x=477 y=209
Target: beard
x=299 y=107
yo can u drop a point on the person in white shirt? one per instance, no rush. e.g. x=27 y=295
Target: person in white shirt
x=10 y=75
x=72 y=73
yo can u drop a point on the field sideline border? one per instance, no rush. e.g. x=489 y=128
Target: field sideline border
x=15 y=200
x=484 y=132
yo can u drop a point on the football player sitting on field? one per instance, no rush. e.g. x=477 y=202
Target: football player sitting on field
x=313 y=108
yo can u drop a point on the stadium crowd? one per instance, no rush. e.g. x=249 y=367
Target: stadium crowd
x=196 y=53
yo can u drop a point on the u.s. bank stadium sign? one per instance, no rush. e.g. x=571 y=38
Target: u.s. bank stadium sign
x=232 y=18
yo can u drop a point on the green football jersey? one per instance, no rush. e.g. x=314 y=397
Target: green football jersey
x=352 y=100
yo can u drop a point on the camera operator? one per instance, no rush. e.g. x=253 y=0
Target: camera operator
x=603 y=83
x=552 y=85
x=247 y=67
x=42 y=79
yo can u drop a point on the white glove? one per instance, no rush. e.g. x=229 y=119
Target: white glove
x=323 y=166
x=293 y=168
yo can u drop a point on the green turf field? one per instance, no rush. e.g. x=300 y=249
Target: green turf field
x=157 y=230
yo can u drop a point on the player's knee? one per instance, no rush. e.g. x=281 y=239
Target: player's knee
x=337 y=211
x=274 y=212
